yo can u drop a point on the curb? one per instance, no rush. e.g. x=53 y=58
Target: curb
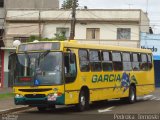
x=14 y=109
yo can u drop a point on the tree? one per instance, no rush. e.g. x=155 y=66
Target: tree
x=67 y=4
x=60 y=36
x=32 y=38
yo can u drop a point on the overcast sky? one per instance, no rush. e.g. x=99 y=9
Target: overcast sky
x=152 y=7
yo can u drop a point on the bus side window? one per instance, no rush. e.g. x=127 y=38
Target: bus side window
x=83 y=60
x=70 y=67
x=149 y=61
x=144 y=64
x=107 y=61
x=135 y=62
x=117 y=61
x=127 y=66
x=95 y=60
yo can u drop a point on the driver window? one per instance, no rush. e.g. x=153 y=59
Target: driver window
x=70 y=67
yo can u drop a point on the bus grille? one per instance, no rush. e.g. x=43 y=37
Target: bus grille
x=35 y=90
x=35 y=96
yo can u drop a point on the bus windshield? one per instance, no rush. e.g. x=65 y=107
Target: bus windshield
x=45 y=68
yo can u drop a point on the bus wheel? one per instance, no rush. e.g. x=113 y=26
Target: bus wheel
x=132 y=95
x=82 y=105
x=42 y=109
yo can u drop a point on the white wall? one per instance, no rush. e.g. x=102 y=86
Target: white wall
x=100 y=15
x=107 y=31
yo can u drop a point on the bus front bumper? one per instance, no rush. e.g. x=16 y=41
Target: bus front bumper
x=39 y=101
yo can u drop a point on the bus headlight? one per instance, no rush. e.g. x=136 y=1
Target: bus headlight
x=18 y=96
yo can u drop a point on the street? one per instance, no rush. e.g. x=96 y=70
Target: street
x=113 y=109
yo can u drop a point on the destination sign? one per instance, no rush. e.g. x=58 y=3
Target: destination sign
x=39 y=46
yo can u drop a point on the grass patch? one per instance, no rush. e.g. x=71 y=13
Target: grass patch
x=6 y=95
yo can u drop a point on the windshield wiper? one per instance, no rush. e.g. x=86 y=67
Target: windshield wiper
x=43 y=55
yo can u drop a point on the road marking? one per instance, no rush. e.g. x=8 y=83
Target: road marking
x=157 y=99
x=153 y=98
x=147 y=96
x=106 y=110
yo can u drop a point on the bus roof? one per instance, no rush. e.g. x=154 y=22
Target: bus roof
x=104 y=47
x=75 y=44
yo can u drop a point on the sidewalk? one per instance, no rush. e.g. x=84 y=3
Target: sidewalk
x=7 y=103
x=6 y=90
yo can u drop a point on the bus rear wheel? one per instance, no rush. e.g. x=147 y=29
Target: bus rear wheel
x=83 y=101
x=132 y=95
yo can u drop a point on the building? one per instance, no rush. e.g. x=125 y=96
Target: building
x=5 y=49
x=152 y=42
x=100 y=26
x=2 y=17
x=32 y=4
x=118 y=27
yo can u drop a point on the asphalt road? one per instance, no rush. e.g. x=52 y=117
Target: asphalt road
x=146 y=108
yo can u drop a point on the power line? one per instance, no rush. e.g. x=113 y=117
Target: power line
x=111 y=24
x=23 y=14
x=66 y=22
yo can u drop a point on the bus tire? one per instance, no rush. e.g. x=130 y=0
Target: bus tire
x=132 y=95
x=42 y=109
x=83 y=101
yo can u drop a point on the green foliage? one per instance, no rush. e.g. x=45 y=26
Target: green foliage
x=6 y=95
x=67 y=4
x=46 y=39
x=32 y=38
x=60 y=37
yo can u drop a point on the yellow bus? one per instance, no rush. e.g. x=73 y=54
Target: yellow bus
x=71 y=73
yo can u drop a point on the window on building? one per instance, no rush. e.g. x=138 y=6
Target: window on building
x=135 y=61
x=63 y=32
x=126 y=61
x=22 y=39
x=1 y=3
x=1 y=37
x=117 y=61
x=123 y=33
x=84 y=61
x=93 y=33
x=107 y=61
x=95 y=60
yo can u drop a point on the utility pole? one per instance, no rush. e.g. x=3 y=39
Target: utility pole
x=73 y=20
x=39 y=25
